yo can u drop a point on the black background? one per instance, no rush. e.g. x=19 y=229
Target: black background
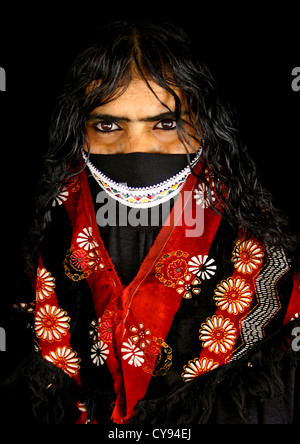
x=251 y=50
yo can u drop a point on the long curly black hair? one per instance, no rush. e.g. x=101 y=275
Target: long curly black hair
x=164 y=54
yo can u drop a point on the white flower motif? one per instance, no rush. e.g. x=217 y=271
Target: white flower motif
x=203 y=195
x=202 y=266
x=132 y=354
x=99 y=353
x=61 y=198
x=85 y=239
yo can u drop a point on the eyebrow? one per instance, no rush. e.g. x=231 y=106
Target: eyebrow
x=116 y=119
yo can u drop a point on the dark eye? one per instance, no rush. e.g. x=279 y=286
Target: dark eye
x=167 y=124
x=107 y=127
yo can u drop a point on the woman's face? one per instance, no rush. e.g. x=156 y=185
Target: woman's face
x=137 y=121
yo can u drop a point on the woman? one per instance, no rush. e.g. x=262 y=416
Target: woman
x=165 y=281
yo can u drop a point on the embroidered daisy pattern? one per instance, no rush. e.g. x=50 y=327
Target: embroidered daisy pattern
x=247 y=256
x=218 y=334
x=202 y=266
x=233 y=295
x=132 y=354
x=198 y=367
x=45 y=284
x=86 y=240
x=66 y=359
x=99 y=353
x=51 y=323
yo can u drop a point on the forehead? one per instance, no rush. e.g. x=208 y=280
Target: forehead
x=139 y=101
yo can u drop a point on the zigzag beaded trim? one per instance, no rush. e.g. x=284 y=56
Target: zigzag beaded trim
x=145 y=197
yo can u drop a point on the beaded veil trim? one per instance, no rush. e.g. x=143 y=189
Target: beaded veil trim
x=145 y=197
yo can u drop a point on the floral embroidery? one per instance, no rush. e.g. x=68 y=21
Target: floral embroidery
x=93 y=332
x=65 y=359
x=26 y=308
x=218 y=334
x=203 y=194
x=151 y=354
x=106 y=331
x=141 y=337
x=202 y=266
x=197 y=368
x=176 y=274
x=51 y=323
x=106 y=326
x=99 y=353
x=85 y=239
x=75 y=263
x=247 y=256
x=177 y=269
x=188 y=288
x=95 y=260
x=61 y=198
x=79 y=259
x=73 y=184
x=45 y=284
x=132 y=354
x=233 y=295
x=167 y=267
x=84 y=263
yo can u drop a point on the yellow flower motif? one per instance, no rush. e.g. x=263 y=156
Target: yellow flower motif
x=51 y=323
x=45 y=284
x=65 y=359
x=247 y=256
x=233 y=295
x=218 y=334
x=198 y=367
